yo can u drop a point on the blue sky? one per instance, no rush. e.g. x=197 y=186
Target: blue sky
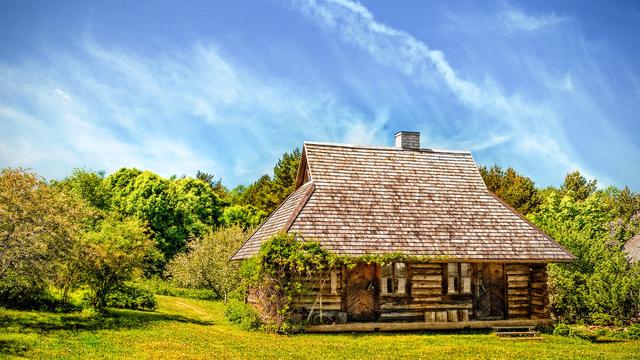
x=175 y=87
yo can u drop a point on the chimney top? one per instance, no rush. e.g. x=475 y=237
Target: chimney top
x=408 y=140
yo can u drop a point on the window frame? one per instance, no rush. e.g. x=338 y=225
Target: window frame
x=459 y=279
x=398 y=283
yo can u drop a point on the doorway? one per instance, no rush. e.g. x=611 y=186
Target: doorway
x=490 y=291
x=361 y=293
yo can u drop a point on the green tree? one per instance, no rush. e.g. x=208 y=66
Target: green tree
x=516 y=190
x=246 y=216
x=216 y=186
x=579 y=185
x=284 y=175
x=39 y=228
x=600 y=282
x=88 y=185
x=111 y=255
x=267 y=193
x=206 y=263
x=174 y=209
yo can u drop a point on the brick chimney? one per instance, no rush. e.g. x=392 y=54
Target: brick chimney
x=408 y=140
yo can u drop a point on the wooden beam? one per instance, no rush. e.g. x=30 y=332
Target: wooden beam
x=418 y=326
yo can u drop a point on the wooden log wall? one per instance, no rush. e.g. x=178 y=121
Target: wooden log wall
x=527 y=295
x=314 y=288
x=539 y=292
x=424 y=290
x=526 y=290
x=518 y=296
x=424 y=299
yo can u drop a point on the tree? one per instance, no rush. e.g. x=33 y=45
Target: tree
x=246 y=216
x=216 y=186
x=87 y=185
x=111 y=255
x=579 y=185
x=516 y=190
x=39 y=228
x=267 y=193
x=284 y=175
x=175 y=210
x=206 y=263
x=600 y=283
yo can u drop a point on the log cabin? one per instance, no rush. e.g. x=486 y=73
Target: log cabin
x=483 y=264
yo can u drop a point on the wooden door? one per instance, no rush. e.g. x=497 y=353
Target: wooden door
x=361 y=293
x=490 y=296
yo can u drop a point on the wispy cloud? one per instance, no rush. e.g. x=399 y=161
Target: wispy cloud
x=515 y=20
x=517 y=119
x=104 y=108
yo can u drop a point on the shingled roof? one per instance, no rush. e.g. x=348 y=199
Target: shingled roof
x=360 y=200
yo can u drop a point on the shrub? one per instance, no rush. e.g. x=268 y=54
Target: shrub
x=242 y=314
x=603 y=332
x=206 y=263
x=562 y=330
x=132 y=296
x=581 y=332
x=578 y=332
x=633 y=332
x=602 y=319
x=276 y=276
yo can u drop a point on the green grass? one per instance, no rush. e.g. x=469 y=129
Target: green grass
x=187 y=328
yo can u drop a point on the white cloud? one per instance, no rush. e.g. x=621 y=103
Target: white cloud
x=514 y=20
x=512 y=117
x=105 y=108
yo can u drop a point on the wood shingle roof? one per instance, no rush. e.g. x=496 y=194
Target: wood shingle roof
x=374 y=200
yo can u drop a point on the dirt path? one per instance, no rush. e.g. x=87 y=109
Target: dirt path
x=184 y=307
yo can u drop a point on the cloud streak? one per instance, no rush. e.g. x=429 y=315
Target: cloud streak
x=105 y=108
x=510 y=123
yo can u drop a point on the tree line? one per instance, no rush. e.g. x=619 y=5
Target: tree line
x=101 y=236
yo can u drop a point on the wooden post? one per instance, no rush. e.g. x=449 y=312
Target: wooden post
x=430 y=316
x=464 y=315
x=452 y=315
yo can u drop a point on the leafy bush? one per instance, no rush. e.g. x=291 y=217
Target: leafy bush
x=132 y=296
x=575 y=331
x=562 y=330
x=602 y=319
x=242 y=314
x=111 y=255
x=581 y=332
x=633 y=332
x=276 y=276
x=206 y=263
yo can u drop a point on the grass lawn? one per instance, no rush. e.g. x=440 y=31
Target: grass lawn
x=186 y=328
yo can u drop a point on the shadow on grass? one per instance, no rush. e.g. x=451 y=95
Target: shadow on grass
x=607 y=340
x=110 y=319
x=13 y=347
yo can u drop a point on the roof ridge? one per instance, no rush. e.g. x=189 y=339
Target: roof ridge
x=378 y=147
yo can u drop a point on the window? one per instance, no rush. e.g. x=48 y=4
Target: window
x=393 y=278
x=458 y=278
x=334 y=282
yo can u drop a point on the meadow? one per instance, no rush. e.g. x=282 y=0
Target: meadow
x=184 y=328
